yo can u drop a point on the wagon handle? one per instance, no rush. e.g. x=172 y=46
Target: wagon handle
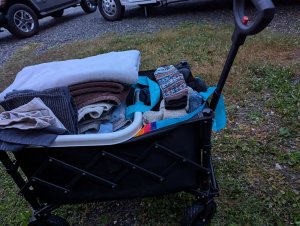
x=265 y=11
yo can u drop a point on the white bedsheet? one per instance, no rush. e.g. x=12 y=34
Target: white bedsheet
x=114 y=66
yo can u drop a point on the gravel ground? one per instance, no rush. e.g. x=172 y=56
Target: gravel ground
x=76 y=25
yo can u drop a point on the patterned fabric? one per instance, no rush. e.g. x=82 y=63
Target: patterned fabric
x=147 y=129
x=172 y=85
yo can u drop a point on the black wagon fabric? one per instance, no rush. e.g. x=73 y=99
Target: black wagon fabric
x=109 y=173
x=59 y=100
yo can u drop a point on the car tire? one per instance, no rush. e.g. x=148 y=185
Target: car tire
x=22 y=21
x=111 y=10
x=58 y=13
x=88 y=6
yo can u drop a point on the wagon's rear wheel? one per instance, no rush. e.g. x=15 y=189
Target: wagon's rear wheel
x=199 y=214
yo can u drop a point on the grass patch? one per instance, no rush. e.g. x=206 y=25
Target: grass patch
x=256 y=157
x=281 y=86
x=284 y=88
x=13 y=209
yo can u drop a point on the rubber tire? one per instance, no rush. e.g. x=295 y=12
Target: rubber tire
x=119 y=14
x=86 y=8
x=191 y=214
x=195 y=214
x=13 y=29
x=51 y=220
x=58 y=13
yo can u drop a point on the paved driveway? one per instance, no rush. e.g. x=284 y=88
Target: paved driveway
x=76 y=25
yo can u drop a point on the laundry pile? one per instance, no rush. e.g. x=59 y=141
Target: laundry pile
x=92 y=96
x=180 y=95
x=101 y=106
x=67 y=97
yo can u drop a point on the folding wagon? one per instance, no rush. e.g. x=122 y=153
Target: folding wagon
x=172 y=159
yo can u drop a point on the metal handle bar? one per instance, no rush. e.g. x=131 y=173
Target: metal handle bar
x=265 y=13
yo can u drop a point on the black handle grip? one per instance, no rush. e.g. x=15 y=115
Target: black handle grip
x=265 y=13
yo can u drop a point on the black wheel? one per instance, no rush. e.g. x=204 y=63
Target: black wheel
x=111 y=10
x=22 y=21
x=51 y=220
x=89 y=6
x=199 y=214
x=58 y=13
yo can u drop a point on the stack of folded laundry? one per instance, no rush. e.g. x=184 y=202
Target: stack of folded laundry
x=101 y=106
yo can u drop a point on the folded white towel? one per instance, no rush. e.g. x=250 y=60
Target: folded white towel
x=94 y=110
x=120 y=67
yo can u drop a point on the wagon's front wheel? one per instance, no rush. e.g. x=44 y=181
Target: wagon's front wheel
x=51 y=220
x=199 y=214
